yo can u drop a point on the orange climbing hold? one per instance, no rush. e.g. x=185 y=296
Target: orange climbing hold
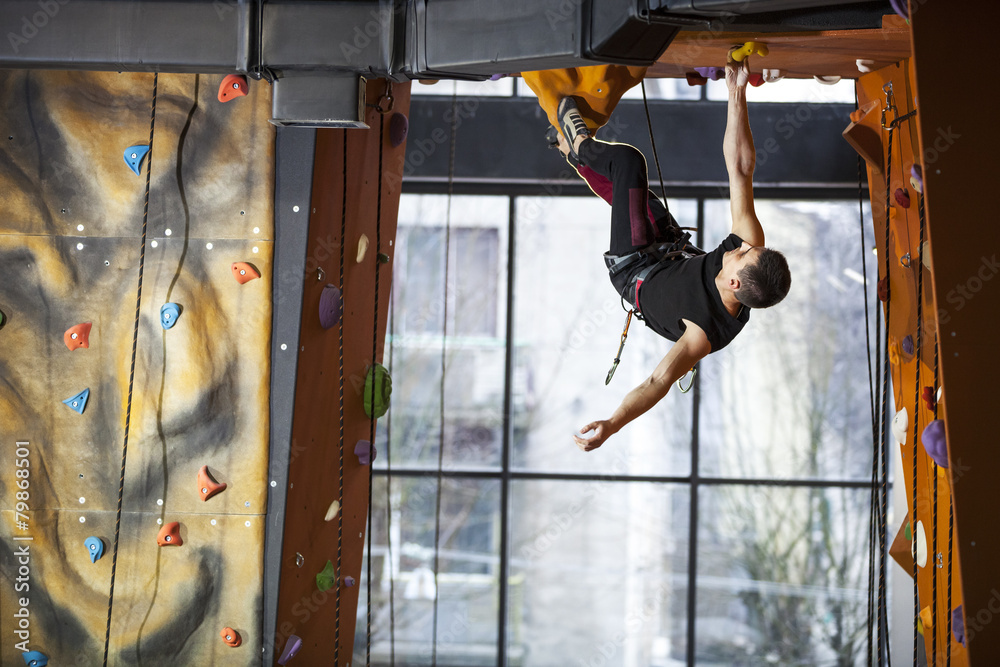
x=597 y=89
x=231 y=637
x=208 y=487
x=233 y=86
x=77 y=336
x=170 y=535
x=244 y=272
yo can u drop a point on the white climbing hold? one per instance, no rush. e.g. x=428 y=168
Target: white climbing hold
x=827 y=80
x=865 y=66
x=333 y=510
x=919 y=549
x=900 y=423
x=362 y=247
x=772 y=75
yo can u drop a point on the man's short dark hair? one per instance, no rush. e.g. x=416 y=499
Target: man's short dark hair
x=766 y=282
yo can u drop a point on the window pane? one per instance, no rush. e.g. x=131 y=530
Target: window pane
x=568 y=324
x=790 y=396
x=468 y=567
x=598 y=573
x=790 y=90
x=474 y=351
x=782 y=576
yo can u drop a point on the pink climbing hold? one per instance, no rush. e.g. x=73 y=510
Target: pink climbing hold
x=244 y=272
x=399 y=127
x=902 y=198
x=365 y=452
x=935 y=442
x=883 y=290
x=930 y=400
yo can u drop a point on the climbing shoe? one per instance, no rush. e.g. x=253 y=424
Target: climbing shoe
x=571 y=122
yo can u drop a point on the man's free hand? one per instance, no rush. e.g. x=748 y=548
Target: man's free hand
x=602 y=431
x=737 y=73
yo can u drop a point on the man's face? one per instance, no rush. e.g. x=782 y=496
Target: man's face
x=738 y=259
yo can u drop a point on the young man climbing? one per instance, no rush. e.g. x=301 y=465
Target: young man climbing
x=700 y=300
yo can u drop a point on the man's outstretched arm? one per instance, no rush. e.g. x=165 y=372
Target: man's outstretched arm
x=740 y=156
x=692 y=346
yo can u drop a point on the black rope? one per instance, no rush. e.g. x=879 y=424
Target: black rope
x=388 y=485
x=444 y=335
x=916 y=411
x=371 y=431
x=131 y=373
x=872 y=521
x=885 y=407
x=652 y=142
x=340 y=367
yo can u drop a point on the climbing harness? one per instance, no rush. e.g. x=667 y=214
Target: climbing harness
x=131 y=374
x=655 y=255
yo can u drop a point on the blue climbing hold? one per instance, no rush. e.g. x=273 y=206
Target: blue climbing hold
x=35 y=658
x=169 y=312
x=133 y=156
x=78 y=402
x=95 y=547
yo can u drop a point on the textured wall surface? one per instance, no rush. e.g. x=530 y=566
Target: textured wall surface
x=71 y=219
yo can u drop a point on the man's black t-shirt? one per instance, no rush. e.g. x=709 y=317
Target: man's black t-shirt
x=685 y=289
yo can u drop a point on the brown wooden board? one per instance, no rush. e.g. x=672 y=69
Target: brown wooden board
x=904 y=270
x=957 y=129
x=797 y=54
x=325 y=620
x=70 y=246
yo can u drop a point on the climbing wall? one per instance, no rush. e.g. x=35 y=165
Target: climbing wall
x=71 y=252
x=895 y=175
x=318 y=615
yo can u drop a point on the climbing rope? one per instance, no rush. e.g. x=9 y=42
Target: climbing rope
x=885 y=407
x=652 y=142
x=131 y=373
x=340 y=368
x=444 y=335
x=371 y=431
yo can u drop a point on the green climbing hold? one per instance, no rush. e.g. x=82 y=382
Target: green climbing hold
x=326 y=578
x=376 y=405
x=907 y=533
x=3 y=319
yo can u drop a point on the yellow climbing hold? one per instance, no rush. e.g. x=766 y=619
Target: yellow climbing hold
x=597 y=89
x=750 y=48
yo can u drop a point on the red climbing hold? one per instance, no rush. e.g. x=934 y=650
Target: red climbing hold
x=231 y=637
x=208 y=487
x=244 y=272
x=902 y=198
x=170 y=535
x=695 y=79
x=756 y=79
x=930 y=400
x=399 y=127
x=233 y=86
x=77 y=336
x=883 y=289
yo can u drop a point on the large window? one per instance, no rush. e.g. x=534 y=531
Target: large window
x=727 y=526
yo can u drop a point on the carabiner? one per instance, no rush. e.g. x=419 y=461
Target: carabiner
x=621 y=346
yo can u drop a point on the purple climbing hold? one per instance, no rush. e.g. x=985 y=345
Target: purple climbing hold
x=908 y=345
x=399 y=127
x=292 y=647
x=365 y=452
x=496 y=77
x=958 y=625
x=330 y=306
x=348 y=581
x=936 y=443
x=900 y=7
x=713 y=73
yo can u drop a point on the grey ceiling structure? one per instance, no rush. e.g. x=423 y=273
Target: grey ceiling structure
x=316 y=51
